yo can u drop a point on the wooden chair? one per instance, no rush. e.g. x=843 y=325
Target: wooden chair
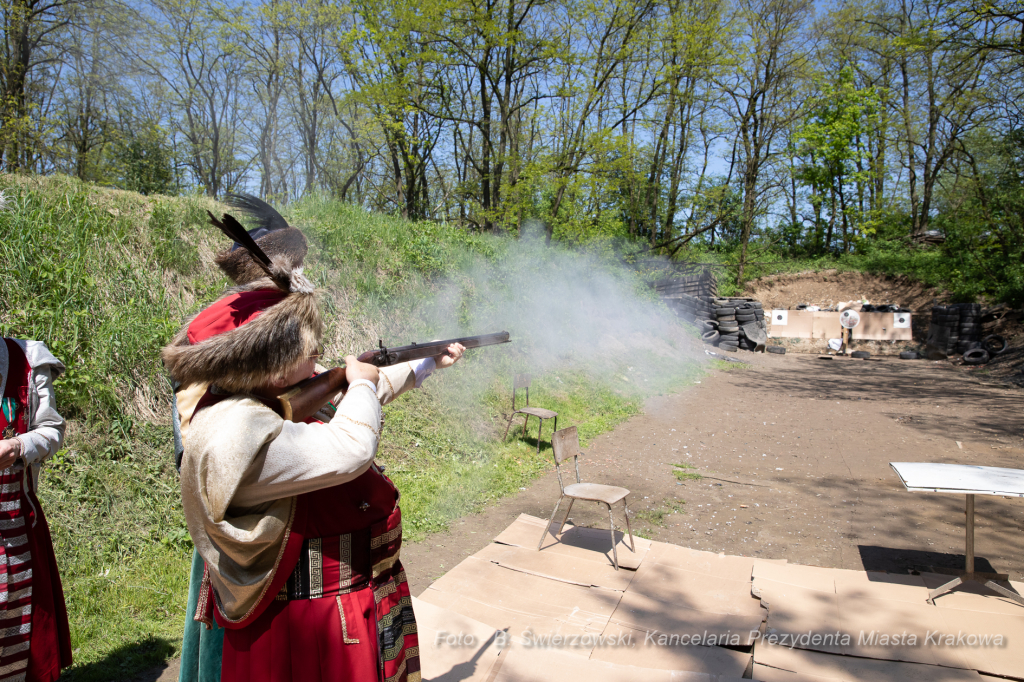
x=522 y=381
x=566 y=443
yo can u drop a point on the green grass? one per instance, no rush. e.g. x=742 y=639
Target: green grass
x=106 y=277
x=683 y=472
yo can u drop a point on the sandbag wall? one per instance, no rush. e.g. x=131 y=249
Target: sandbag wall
x=955 y=329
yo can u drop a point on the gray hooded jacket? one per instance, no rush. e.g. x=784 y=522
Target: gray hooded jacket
x=46 y=427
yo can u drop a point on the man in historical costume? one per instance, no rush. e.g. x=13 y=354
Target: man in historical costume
x=35 y=640
x=298 y=530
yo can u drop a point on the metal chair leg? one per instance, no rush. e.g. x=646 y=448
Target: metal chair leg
x=625 y=508
x=524 y=425
x=566 y=518
x=611 y=524
x=548 y=524
x=539 y=429
x=507 y=426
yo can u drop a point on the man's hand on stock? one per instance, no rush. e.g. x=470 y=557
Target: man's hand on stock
x=355 y=370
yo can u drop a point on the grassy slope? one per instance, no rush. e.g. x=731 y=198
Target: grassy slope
x=105 y=277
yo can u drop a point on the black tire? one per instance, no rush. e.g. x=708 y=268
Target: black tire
x=729 y=348
x=994 y=344
x=726 y=329
x=909 y=355
x=710 y=324
x=968 y=328
x=976 y=356
x=745 y=317
x=725 y=311
x=710 y=337
x=860 y=354
x=727 y=318
x=779 y=350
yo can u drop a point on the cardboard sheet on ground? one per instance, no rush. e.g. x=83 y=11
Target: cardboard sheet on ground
x=515 y=622
x=591 y=544
x=849 y=668
x=795 y=610
x=453 y=661
x=678 y=602
x=766 y=674
x=504 y=598
x=696 y=561
x=545 y=665
x=813 y=577
x=1006 y=659
x=557 y=566
x=897 y=631
x=886 y=617
x=641 y=652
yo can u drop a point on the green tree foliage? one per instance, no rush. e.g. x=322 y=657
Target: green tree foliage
x=833 y=158
x=144 y=163
x=838 y=127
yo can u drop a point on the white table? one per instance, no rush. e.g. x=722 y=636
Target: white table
x=966 y=480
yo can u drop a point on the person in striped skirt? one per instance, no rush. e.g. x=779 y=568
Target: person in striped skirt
x=35 y=640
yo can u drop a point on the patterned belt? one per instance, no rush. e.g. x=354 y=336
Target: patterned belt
x=339 y=564
x=329 y=566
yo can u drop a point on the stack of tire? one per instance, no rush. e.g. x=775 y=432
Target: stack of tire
x=969 y=327
x=955 y=329
x=731 y=314
x=944 y=330
x=691 y=308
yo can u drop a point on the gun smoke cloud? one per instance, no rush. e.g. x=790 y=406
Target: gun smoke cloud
x=565 y=309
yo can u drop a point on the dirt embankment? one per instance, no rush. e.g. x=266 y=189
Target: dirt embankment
x=829 y=288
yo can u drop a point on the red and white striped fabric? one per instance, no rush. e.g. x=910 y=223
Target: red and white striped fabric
x=15 y=579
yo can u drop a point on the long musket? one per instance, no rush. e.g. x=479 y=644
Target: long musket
x=307 y=397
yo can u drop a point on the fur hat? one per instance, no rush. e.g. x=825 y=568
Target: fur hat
x=272 y=234
x=254 y=332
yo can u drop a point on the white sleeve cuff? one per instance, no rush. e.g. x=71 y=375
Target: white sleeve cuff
x=365 y=382
x=423 y=369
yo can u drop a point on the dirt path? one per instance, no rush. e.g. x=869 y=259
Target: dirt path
x=805 y=445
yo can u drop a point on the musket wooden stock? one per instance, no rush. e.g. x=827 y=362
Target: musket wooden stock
x=307 y=397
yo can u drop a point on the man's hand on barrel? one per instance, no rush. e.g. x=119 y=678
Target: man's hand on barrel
x=449 y=358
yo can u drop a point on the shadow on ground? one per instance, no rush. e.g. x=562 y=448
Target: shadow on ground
x=125 y=663
x=899 y=560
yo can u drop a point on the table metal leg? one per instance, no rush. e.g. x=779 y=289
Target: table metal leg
x=1005 y=592
x=970 y=536
x=948 y=587
x=969 y=575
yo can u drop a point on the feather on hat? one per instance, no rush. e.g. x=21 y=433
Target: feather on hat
x=281 y=242
x=259 y=330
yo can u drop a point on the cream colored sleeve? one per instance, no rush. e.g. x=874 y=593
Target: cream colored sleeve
x=394 y=381
x=307 y=457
